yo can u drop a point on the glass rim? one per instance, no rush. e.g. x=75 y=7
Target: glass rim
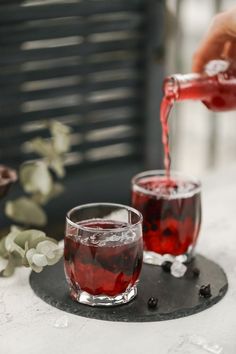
x=161 y=173
x=91 y=229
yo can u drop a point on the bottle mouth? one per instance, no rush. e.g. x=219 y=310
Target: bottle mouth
x=171 y=87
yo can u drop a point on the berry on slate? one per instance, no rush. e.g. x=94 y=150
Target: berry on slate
x=166 y=266
x=152 y=302
x=205 y=291
x=195 y=272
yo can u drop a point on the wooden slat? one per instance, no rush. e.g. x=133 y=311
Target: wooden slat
x=14 y=153
x=16 y=134
x=11 y=97
x=13 y=55
x=85 y=146
x=15 y=13
x=6 y=2
x=17 y=77
x=41 y=31
x=12 y=114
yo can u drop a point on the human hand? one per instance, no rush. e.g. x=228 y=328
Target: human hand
x=219 y=41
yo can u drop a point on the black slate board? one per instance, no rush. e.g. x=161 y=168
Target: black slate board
x=178 y=297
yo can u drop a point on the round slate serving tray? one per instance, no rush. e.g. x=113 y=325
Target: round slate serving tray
x=178 y=297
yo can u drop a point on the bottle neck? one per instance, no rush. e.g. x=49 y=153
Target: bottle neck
x=190 y=86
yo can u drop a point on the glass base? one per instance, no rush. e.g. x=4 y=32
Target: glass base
x=103 y=300
x=150 y=257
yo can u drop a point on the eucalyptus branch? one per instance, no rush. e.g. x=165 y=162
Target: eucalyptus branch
x=29 y=248
x=32 y=248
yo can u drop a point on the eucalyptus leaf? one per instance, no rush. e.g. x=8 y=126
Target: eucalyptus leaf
x=31 y=236
x=3 y=251
x=26 y=211
x=51 y=240
x=15 y=228
x=58 y=253
x=25 y=262
x=51 y=251
x=18 y=259
x=43 y=148
x=12 y=246
x=33 y=242
x=62 y=143
x=35 y=177
x=57 y=128
x=61 y=136
x=40 y=260
x=47 y=247
x=56 y=190
x=57 y=165
x=29 y=256
x=10 y=268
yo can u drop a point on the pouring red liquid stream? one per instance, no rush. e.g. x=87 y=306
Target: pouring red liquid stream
x=166 y=106
x=171 y=218
x=217 y=92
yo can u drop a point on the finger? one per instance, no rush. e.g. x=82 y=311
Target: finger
x=212 y=46
x=230 y=53
x=221 y=30
x=226 y=50
x=209 y=51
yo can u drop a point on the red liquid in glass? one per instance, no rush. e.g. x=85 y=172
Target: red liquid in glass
x=171 y=214
x=105 y=268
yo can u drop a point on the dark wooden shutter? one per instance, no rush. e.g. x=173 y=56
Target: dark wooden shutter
x=95 y=65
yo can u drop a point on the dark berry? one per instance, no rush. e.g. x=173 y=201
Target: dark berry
x=195 y=272
x=205 y=291
x=166 y=266
x=154 y=227
x=152 y=302
x=167 y=232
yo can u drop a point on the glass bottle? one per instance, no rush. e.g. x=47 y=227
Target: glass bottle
x=216 y=87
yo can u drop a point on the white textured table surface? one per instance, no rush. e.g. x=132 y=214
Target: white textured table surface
x=27 y=324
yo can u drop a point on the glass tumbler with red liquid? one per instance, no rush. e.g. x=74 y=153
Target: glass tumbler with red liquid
x=171 y=209
x=103 y=253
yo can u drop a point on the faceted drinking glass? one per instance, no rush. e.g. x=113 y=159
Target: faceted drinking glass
x=171 y=209
x=103 y=253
